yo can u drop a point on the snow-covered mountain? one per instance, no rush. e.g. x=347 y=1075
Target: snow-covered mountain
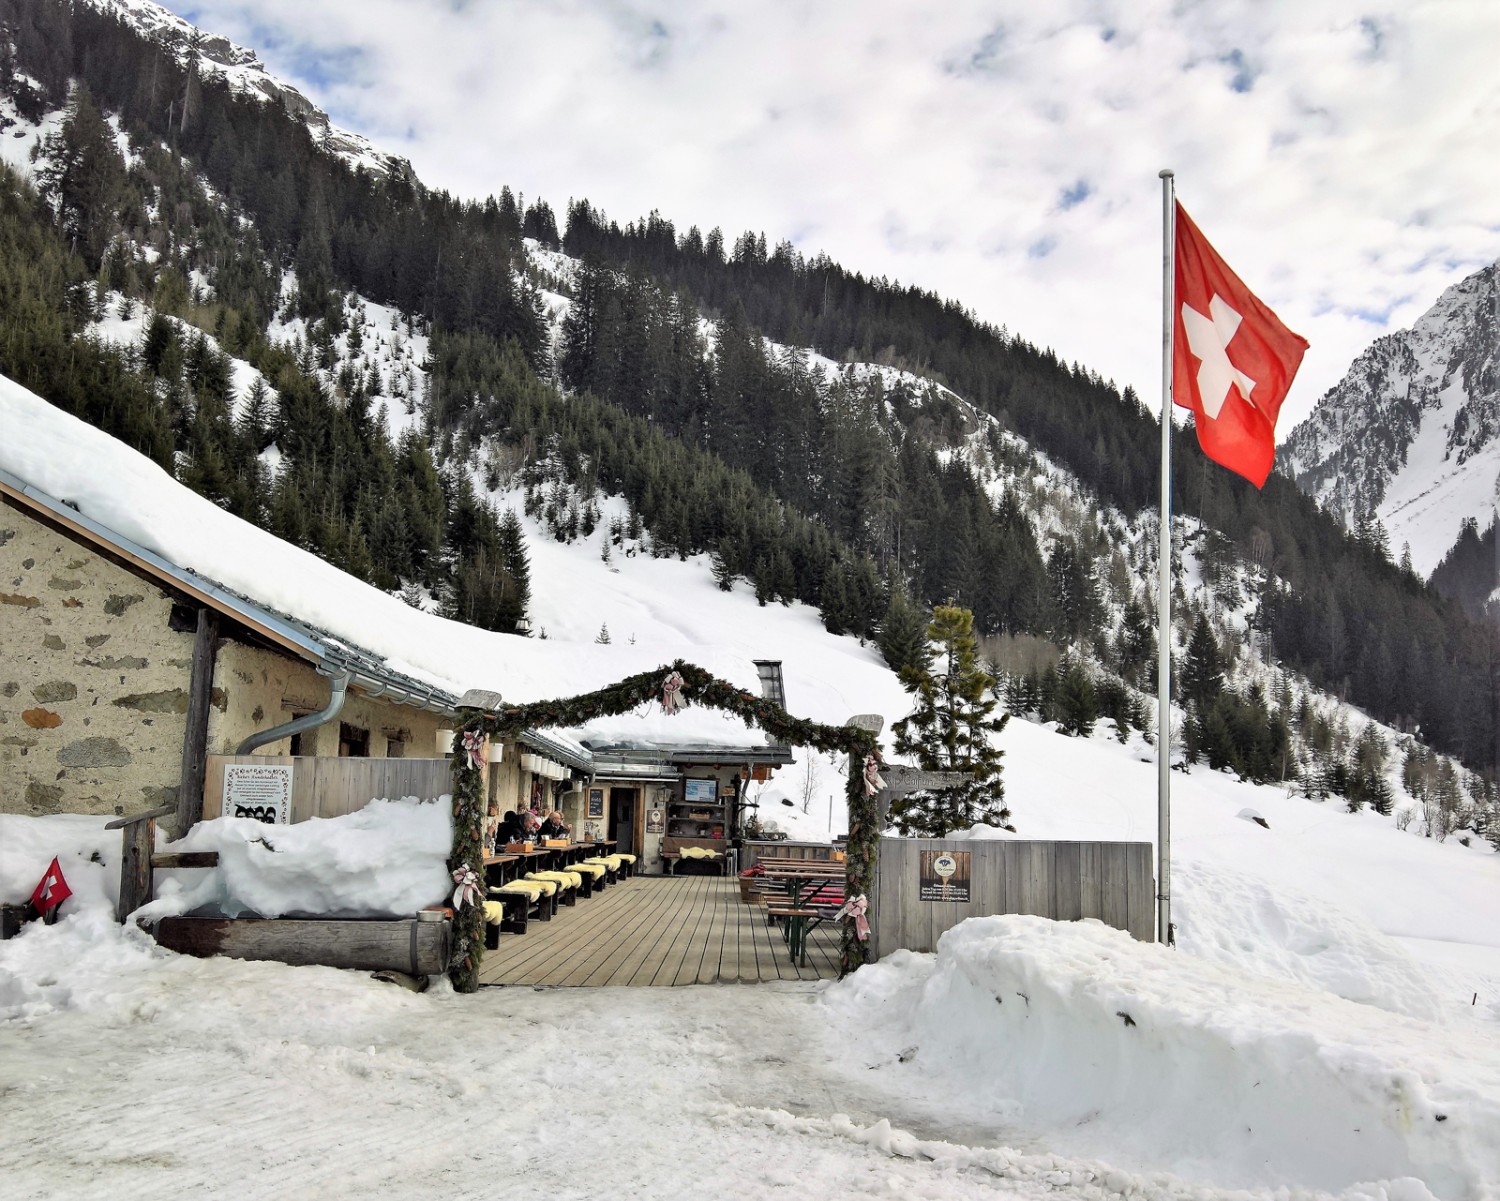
x=1412 y=433
x=246 y=75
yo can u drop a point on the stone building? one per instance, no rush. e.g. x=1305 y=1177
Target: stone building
x=121 y=671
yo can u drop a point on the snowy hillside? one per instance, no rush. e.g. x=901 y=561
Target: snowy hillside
x=1412 y=433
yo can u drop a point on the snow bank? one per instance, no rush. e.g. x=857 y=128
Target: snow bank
x=88 y=854
x=1231 y=918
x=388 y=859
x=1077 y=1028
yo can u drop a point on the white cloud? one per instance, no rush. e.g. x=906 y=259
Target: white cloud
x=1340 y=158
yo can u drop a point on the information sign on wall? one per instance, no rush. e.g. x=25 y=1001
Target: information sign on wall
x=259 y=791
x=656 y=821
x=943 y=875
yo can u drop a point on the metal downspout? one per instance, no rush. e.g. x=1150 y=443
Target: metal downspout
x=339 y=686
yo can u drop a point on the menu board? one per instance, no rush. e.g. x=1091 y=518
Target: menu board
x=702 y=792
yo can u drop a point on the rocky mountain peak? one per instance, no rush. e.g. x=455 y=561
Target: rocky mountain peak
x=1412 y=432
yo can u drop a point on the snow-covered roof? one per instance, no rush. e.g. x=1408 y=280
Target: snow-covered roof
x=220 y=559
x=331 y=655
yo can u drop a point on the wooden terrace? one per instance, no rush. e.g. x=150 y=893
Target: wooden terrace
x=658 y=931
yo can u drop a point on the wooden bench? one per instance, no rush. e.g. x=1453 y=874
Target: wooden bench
x=671 y=853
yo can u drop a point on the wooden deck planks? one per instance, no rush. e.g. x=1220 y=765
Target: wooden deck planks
x=657 y=931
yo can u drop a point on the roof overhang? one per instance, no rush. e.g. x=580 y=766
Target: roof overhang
x=326 y=655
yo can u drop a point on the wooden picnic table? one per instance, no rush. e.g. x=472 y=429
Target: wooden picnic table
x=804 y=907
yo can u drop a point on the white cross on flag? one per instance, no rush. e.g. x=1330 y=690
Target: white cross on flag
x=52 y=891
x=1232 y=359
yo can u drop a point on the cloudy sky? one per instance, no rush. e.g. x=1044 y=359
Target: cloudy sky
x=1343 y=158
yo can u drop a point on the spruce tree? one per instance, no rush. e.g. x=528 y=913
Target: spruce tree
x=1203 y=673
x=952 y=729
x=1077 y=705
x=517 y=569
x=903 y=639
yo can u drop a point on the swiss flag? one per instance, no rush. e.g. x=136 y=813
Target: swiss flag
x=1232 y=359
x=52 y=891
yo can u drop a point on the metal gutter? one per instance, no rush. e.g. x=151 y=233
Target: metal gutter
x=335 y=706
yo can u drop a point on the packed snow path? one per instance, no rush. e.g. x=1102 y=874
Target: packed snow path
x=259 y=1081
x=131 y=1072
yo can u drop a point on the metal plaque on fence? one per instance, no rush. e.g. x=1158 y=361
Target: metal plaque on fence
x=943 y=875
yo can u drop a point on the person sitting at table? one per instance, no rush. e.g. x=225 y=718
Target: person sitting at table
x=553 y=827
x=510 y=829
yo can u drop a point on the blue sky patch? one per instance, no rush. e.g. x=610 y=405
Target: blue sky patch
x=1075 y=195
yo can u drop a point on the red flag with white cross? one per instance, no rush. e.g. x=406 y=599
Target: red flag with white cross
x=1232 y=359
x=52 y=891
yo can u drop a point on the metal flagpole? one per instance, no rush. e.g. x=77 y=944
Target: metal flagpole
x=1164 y=932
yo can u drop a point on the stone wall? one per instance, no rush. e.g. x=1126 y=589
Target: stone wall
x=93 y=681
x=94 y=686
x=263 y=689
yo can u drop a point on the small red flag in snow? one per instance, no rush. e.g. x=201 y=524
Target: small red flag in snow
x=52 y=891
x=1232 y=359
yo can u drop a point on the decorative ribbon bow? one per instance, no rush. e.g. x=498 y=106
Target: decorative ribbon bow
x=474 y=748
x=856 y=908
x=467 y=892
x=873 y=782
x=671 y=701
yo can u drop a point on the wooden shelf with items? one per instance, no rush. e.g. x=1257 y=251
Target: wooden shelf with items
x=700 y=813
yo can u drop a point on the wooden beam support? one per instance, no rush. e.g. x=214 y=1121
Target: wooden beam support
x=195 y=739
x=186 y=859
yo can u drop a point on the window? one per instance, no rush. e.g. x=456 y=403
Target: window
x=354 y=743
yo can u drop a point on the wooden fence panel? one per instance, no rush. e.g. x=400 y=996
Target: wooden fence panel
x=1111 y=881
x=328 y=787
x=1067 y=892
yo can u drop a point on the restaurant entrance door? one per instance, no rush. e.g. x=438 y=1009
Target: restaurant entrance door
x=623 y=803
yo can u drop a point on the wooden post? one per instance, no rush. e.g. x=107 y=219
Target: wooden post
x=136 y=883
x=195 y=738
x=135 y=861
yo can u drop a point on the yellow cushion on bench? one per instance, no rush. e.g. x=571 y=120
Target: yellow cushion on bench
x=594 y=869
x=561 y=879
x=534 y=889
x=700 y=853
x=611 y=862
x=624 y=858
x=494 y=912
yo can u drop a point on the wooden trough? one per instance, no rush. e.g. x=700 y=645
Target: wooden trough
x=418 y=948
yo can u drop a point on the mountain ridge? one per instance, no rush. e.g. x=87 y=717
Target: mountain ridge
x=1411 y=434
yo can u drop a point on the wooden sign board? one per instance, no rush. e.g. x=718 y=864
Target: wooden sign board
x=943 y=875
x=911 y=779
x=259 y=791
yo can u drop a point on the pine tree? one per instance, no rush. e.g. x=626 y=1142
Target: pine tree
x=1203 y=673
x=602 y=637
x=1077 y=707
x=952 y=729
x=723 y=573
x=903 y=639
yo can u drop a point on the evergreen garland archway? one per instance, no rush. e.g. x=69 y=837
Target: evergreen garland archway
x=699 y=687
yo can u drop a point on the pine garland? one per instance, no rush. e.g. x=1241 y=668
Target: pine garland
x=699 y=688
x=468 y=850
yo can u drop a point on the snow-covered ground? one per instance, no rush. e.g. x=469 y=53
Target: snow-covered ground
x=1333 y=972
